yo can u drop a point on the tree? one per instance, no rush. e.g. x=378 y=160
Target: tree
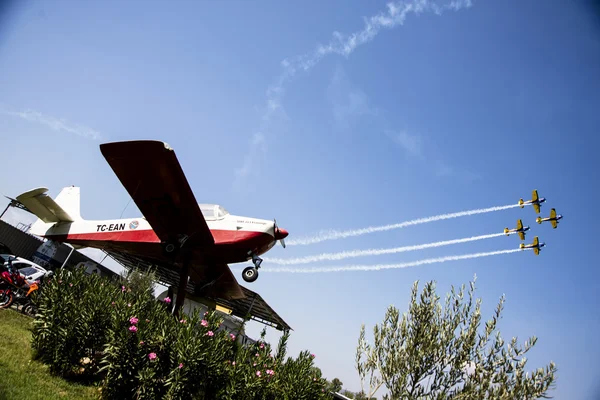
x=335 y=385
x=436 y=353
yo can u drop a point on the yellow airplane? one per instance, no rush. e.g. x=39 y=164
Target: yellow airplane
x=519 y=229
x=553 y=218
x=535 y=201
x=536 y=246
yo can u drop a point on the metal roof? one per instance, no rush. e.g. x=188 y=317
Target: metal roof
x=253 y=306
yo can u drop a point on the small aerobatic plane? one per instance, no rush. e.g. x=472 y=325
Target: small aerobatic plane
x=190 y=241
x=519 y=229
x=535 y=201
x=536 y=246
x=553 y=218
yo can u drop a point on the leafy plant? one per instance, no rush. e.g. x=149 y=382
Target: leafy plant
x=117 y=332
x=430 y=352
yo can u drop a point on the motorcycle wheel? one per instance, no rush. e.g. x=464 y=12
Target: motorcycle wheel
x=6 y=299
x=29 y=309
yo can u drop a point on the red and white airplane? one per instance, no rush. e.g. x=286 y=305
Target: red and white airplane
x=176 y=233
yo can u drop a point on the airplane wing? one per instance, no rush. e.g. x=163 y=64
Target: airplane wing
x=554 y=223
x=536 y=241
x=534 y=195
x=519 y=224
x=536 y=207
x=536 y=250
x=522 y=235
x=152 y=175
x=553 y=213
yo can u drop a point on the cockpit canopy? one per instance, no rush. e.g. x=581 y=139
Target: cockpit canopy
x=213 y=212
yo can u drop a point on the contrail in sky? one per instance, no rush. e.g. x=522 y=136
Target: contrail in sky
x=316 y=270
x=340 y=44
x=376 y=252
x=333 y=234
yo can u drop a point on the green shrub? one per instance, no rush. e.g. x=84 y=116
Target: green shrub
x=72 y=322
x=146 y=352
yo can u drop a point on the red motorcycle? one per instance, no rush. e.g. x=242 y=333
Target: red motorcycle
x=15 y=289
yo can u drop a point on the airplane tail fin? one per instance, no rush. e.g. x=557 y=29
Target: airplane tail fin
x=521 y=201
x=63 y=209
x=506 y=231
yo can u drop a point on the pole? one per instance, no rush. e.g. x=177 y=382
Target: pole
x=5 y=210
x=69 y=256
x=181 y=291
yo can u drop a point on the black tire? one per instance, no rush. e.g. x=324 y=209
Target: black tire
x=6 y=300
x=250 y=274
x=170 y=249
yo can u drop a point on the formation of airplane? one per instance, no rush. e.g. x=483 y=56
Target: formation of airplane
x=519 y=229
x=536 y=202
x=194 y=241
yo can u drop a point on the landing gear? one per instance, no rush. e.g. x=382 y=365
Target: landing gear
x=250 y=274
x=172 y=246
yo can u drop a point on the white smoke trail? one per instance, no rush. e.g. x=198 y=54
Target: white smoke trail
x=395 y=15
x=316 y=270
x=376 y=252
x=334 y=234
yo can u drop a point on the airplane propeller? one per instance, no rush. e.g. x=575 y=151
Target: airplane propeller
x=279 y=233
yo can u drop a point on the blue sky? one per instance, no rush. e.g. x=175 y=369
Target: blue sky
x=438 y=113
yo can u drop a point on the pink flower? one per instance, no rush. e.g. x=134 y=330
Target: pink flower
x=254 y=365
x=182 y=321
x=204 y=322
x=262 y=346
x=210 y=333
x=257 y=373
x=113 y=303
x=312 y=355
x=133 y=328
x=133 y=320
x=167 y=300
x=232 y=336
x=70 y=284
x=205 y=313
x=141 y=342
x=180 y=365
x=270 y=372
x=128 y=304
x=233 y=363
x=257 y=354
x=152 y=356
x=122 y=288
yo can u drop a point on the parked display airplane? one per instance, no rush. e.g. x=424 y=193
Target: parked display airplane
x=519 y=229
x=535 y=201
x=536 y=246
x=553 y=218
x=175 y=232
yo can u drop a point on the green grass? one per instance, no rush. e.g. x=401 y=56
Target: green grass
x=22 y=378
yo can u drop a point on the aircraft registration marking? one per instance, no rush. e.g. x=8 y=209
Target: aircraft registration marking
x=110 y=227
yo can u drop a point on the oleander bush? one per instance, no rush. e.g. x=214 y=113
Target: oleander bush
x=117 y=334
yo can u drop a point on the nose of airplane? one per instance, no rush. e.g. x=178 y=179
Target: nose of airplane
x=281 y=234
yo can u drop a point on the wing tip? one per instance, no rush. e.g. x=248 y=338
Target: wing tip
x=130 y=147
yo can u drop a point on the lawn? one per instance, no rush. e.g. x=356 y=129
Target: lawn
x=22 y=378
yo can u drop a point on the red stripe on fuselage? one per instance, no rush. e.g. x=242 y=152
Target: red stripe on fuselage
x=230 y=246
